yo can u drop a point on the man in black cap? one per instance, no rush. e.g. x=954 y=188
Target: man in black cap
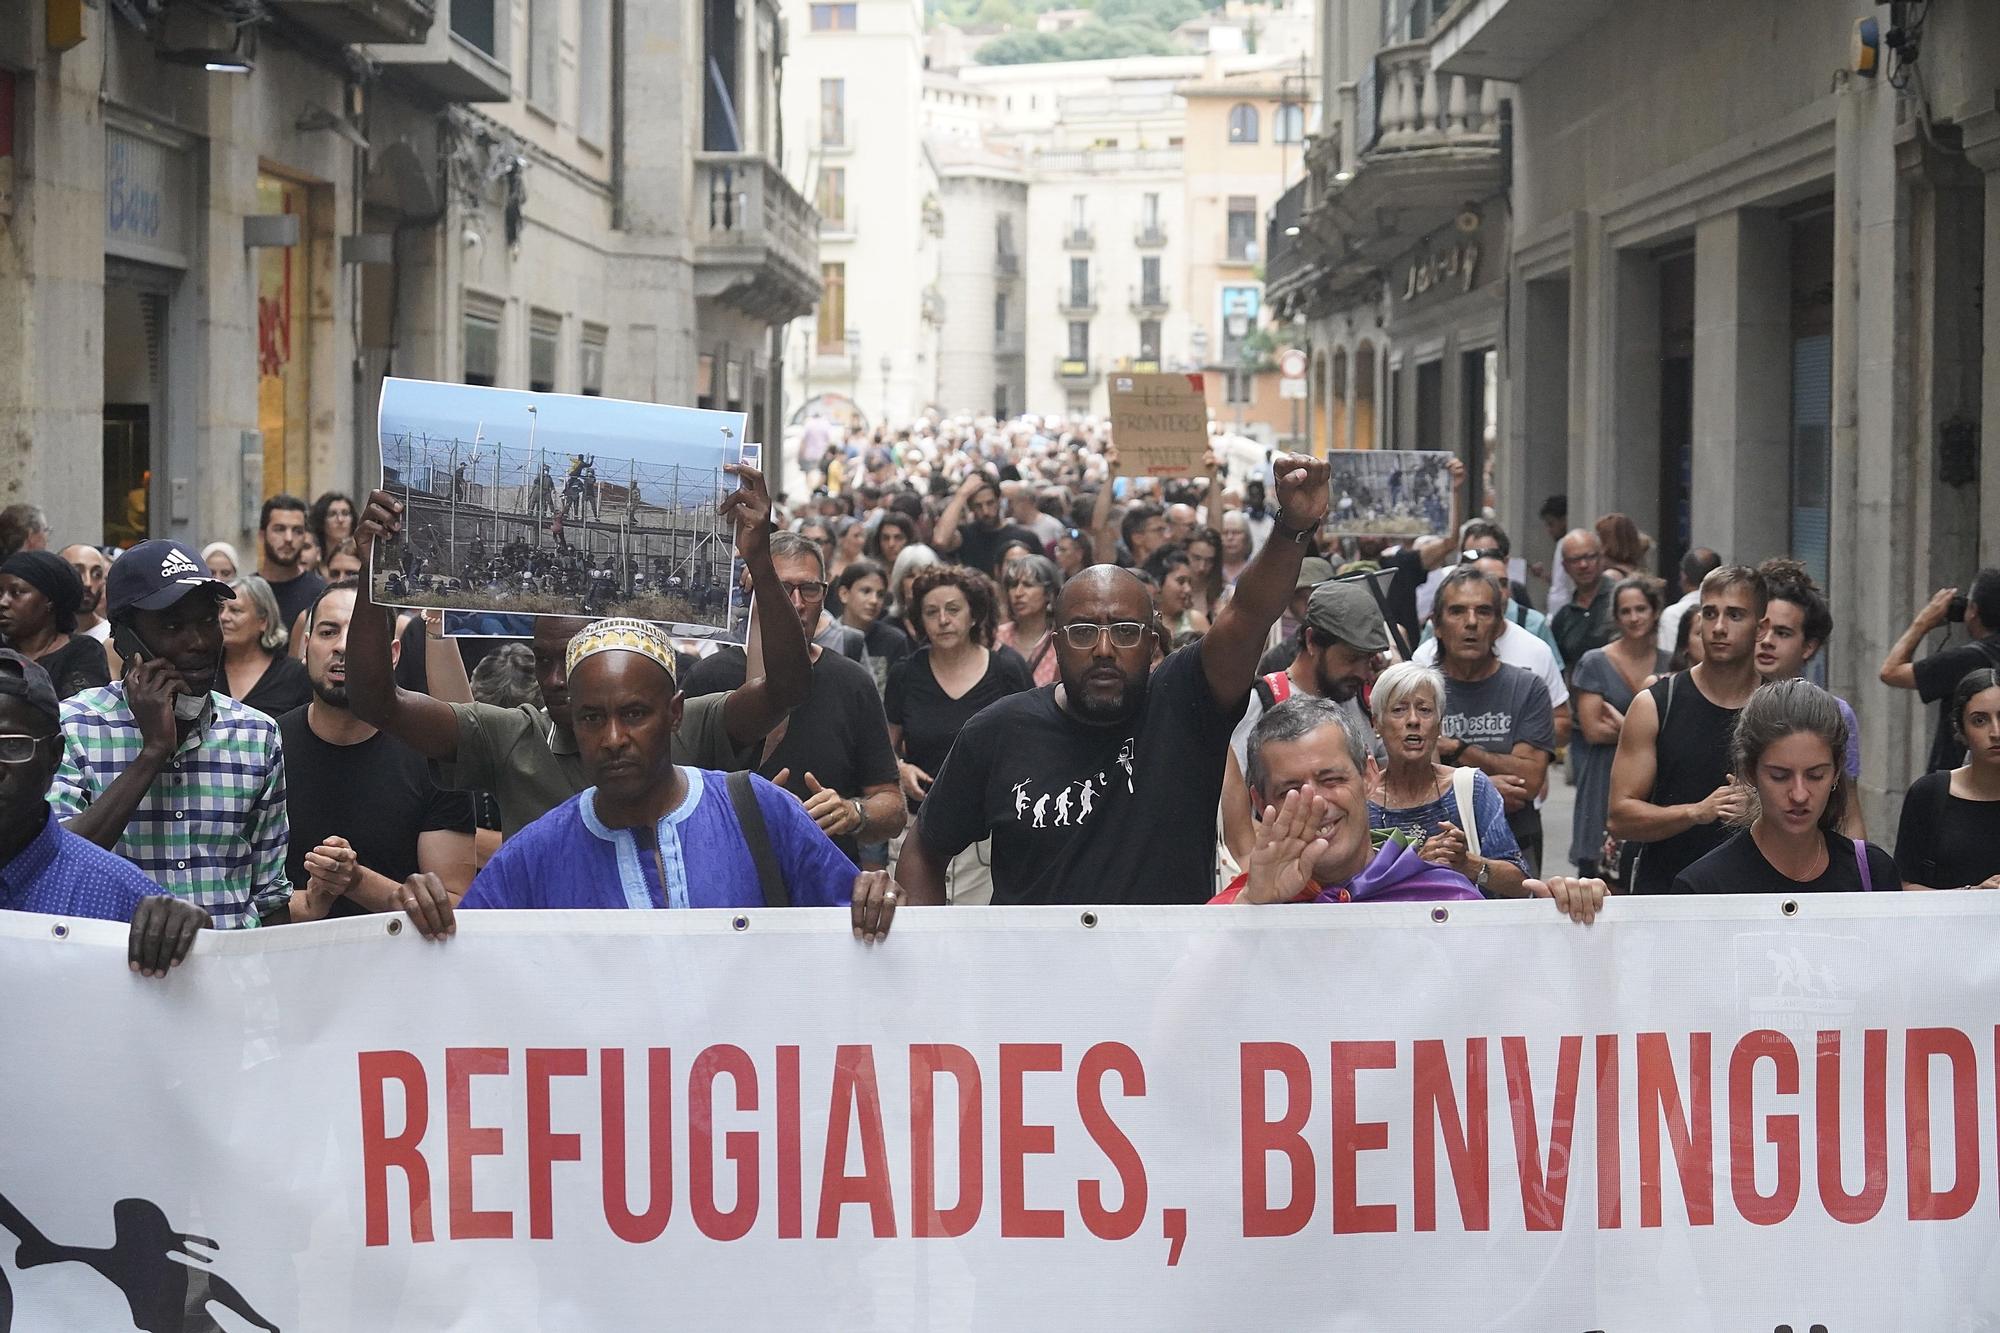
x=164 y=769
x=1335 y=656
x=46 y=868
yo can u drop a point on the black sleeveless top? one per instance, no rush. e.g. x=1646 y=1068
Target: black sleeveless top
x=1691 y=760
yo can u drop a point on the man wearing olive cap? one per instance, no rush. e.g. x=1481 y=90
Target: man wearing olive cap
x=1335 y=657
x=647 y=832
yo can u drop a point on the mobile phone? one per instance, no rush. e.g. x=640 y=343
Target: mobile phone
x=129 y=645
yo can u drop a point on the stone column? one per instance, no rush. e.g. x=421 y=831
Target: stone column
x=1742 y=385
x=1982 y=148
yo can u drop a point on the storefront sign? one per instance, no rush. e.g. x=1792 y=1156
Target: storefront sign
x=1451 y=268
x=145 y=199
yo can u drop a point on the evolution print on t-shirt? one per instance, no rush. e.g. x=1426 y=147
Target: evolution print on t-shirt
x=1070 y=805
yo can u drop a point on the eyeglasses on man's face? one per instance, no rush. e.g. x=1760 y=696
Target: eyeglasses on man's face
x=811 y=590
x=1084 y=635
x=20 y=749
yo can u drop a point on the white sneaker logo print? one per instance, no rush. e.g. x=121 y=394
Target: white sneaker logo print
x=176 y=565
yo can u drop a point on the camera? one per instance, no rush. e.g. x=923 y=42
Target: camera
x=1954 y=614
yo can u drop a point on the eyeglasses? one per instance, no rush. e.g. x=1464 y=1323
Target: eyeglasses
x=20 y=749
x=1083 y=636
x=810 y=591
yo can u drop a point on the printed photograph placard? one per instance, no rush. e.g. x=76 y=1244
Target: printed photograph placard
x=518 y=503
x=1389 y=492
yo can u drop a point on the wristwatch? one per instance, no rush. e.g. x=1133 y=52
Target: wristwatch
x=1299 y=536
x=1485 y=874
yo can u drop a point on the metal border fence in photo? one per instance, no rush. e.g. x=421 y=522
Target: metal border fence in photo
x=491 y=528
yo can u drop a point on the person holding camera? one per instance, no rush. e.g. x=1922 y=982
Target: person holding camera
x=1938 y=675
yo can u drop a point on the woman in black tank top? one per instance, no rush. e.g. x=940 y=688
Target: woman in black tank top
x=1691 y=761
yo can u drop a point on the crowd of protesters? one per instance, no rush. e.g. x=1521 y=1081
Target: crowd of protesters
x=984 y=666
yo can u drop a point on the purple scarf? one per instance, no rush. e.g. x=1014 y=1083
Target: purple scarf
x=1399 y=875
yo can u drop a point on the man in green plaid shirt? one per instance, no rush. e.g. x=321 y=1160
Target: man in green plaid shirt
x=165 y=770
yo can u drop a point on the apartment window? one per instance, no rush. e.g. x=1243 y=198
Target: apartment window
x=1003 y=234
x=544 y=334
x=1149 y=213
x=833 y=309
x=1289 y=124
x=542 y=25
x=590 y=362
x=593 y=72
x=1242 y=227
x=1079 y=212
x=833 y=112
x=473 y=21
x=833 y=18
x=1000 y=313
x=1149 y=340
x=832 y=197
x=1079 y=282
x=1149 y=279
x=704 y=381
x=1243 y=123
x=1079 y=340
x=480 y=345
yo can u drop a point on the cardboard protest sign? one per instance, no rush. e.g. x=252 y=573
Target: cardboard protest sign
x=1160 y=424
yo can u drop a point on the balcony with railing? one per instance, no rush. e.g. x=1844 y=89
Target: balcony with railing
x=463 y=58
x=1075 y=371
x=1007 y=263
x=1075 y=300
x=1290 y=253
x=1149 y=301
x=1079 y=236
x=756 y=239
x=1149 y=236
x=1403 y=152
x=1165 y=162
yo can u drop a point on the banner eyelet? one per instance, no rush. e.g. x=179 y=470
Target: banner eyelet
x=1089 y=920
x=739 y=922
x=1790 y=907
x=1440 y=914
x=60 y=930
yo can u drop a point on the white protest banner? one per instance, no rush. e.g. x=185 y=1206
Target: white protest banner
x=1718 y=1114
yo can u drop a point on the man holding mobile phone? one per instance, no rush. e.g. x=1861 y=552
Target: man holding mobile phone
x=164 y=769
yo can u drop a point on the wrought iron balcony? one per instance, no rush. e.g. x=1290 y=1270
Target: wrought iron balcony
x=1076 y=370
x=1074 y=300
x=1079 y=238
x=1149 y=301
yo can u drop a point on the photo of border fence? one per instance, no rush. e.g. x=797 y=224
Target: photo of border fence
x=524 y=503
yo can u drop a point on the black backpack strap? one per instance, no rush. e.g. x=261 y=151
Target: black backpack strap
x=751 y=816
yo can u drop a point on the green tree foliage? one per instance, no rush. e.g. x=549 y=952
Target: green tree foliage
x=1089 y=41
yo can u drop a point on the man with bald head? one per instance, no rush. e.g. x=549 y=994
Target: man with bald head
x=1103 y=787
x=1586 y=621
x=648 y=832
x=527 y=757
x=91 y=568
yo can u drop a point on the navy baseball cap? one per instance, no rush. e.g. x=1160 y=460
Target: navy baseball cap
x=154 y=575
x=24 y=678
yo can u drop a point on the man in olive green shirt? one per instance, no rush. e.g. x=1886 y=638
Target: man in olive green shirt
x=526 y=757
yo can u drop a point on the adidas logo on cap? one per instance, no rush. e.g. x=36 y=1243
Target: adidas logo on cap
x=176 y=565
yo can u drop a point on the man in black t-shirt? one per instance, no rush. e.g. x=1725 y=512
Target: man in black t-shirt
x=1938 y=675
x=1104 y=786
x=978 y=543
x=833 y=752
x=365 y=812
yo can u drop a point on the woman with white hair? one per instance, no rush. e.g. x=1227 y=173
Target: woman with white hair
x=909 y=560
x=1454 y=815
x=256 y=668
